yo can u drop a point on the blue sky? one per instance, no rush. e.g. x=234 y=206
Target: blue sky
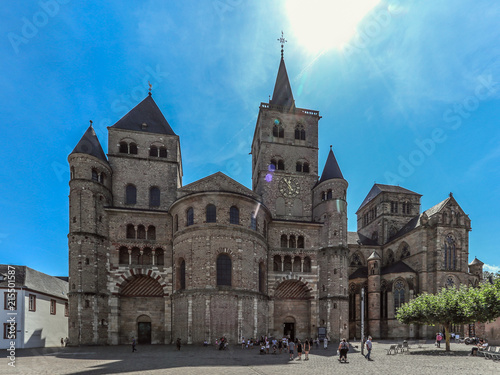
x=409 y=93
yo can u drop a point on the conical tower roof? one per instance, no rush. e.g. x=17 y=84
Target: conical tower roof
x=148 y=113
x=89 y=144
x=332 y=169
x=282 y=94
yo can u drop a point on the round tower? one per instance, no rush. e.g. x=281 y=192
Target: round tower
x=330 y=209
x=90 y=193
x=373 y=305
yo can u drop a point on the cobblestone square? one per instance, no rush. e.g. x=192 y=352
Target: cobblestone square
x=193 y=360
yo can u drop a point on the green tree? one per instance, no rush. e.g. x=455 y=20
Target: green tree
x=453 y=306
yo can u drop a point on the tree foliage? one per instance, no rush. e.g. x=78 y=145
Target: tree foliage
x=453 y=306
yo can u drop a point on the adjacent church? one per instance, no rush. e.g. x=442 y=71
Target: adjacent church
x=154 y=259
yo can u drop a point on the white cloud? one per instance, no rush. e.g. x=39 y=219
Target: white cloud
x=490 y=268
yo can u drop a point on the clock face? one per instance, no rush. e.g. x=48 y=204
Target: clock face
x=289 y=187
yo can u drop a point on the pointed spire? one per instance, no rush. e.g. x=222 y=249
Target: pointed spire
x=282 y=94
x=145 y=116
x=332 y=169
x=89 y=144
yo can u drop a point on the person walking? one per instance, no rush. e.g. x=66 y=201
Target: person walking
x=369 y=346
x=343 y=349
x=438 y=339
x=307 y=348
x=299 y=350
x=178 y=344
x=291 y=348
x=325 y=343
x=134 y=343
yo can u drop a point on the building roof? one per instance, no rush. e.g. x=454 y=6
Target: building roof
x=475 y=261
x=332 y=169
x=360 y=273
x=146 y=112
x=354 y=238
x=282 y=94
x=398 y=267
x=374 y=256
x=29 y=278
x=380 y=188
x=89 y=144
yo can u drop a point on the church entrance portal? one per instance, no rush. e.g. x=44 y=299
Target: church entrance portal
x=144 y=332
x=289 y=330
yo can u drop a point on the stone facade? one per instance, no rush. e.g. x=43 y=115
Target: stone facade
x=153 y=259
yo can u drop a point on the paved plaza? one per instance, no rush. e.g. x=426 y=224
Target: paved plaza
x=193 y=360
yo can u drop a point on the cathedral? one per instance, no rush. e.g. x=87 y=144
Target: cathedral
x=157 y=260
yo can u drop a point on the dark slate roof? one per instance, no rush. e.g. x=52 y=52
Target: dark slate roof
x=361 y=272
x=332 y=169
x=475 y=261
x=145 y=112
x=89 y=144
x=29 y=278
x=354 y=238
x=379 y=188
x=398 y=267
x=282 y=95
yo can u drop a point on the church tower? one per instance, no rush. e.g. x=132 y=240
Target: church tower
x=285 y=152
x=330 y=209
x=90 y=193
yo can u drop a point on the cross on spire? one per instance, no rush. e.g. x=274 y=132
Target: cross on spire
x=150 y=87
x=282 y=40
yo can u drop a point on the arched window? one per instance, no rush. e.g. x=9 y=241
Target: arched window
x=305 y=168
x=72 y=172
x=329 y=194
x=390 y=257
x=405 y=251
x=287 y=264
x=102 y=178
x=297 y=264
x=383 y=301
x=291 y=242
x=153 y=151
x=323 y=196
x=141 y=232
x=133 y=148
x=274 y=165
x=182 y=275
x=281 y=165
x=136 y=255
x=352 y=303
x=131 y=194
x=95 y=176
x=298 y=167
x=130 y=231
x=154 y=197
x=163 y=152
x=224 y=270
x=189 y=216
x=234 y=215
x=123 y=255
x=356 y=260
x=159 y=254
x=450 y=254
x=147 y=256
x=297 y=133
x=399 y=295
x=123 y=148
x=277 y=263
x=302 y=134
x=307 y=264
x=262 y=278
x=284 y=240
x=211 y=214
x=300 y=242
x=151 y=233
x=253 y=221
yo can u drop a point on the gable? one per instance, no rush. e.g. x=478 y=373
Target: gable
x=216 y=182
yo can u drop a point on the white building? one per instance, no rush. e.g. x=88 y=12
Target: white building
x=33 y=308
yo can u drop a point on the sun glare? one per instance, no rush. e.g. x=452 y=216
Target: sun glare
x=318 y=25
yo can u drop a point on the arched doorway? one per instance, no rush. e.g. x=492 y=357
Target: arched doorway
x=142 y=310
x=292 y=309
x=144 y=329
